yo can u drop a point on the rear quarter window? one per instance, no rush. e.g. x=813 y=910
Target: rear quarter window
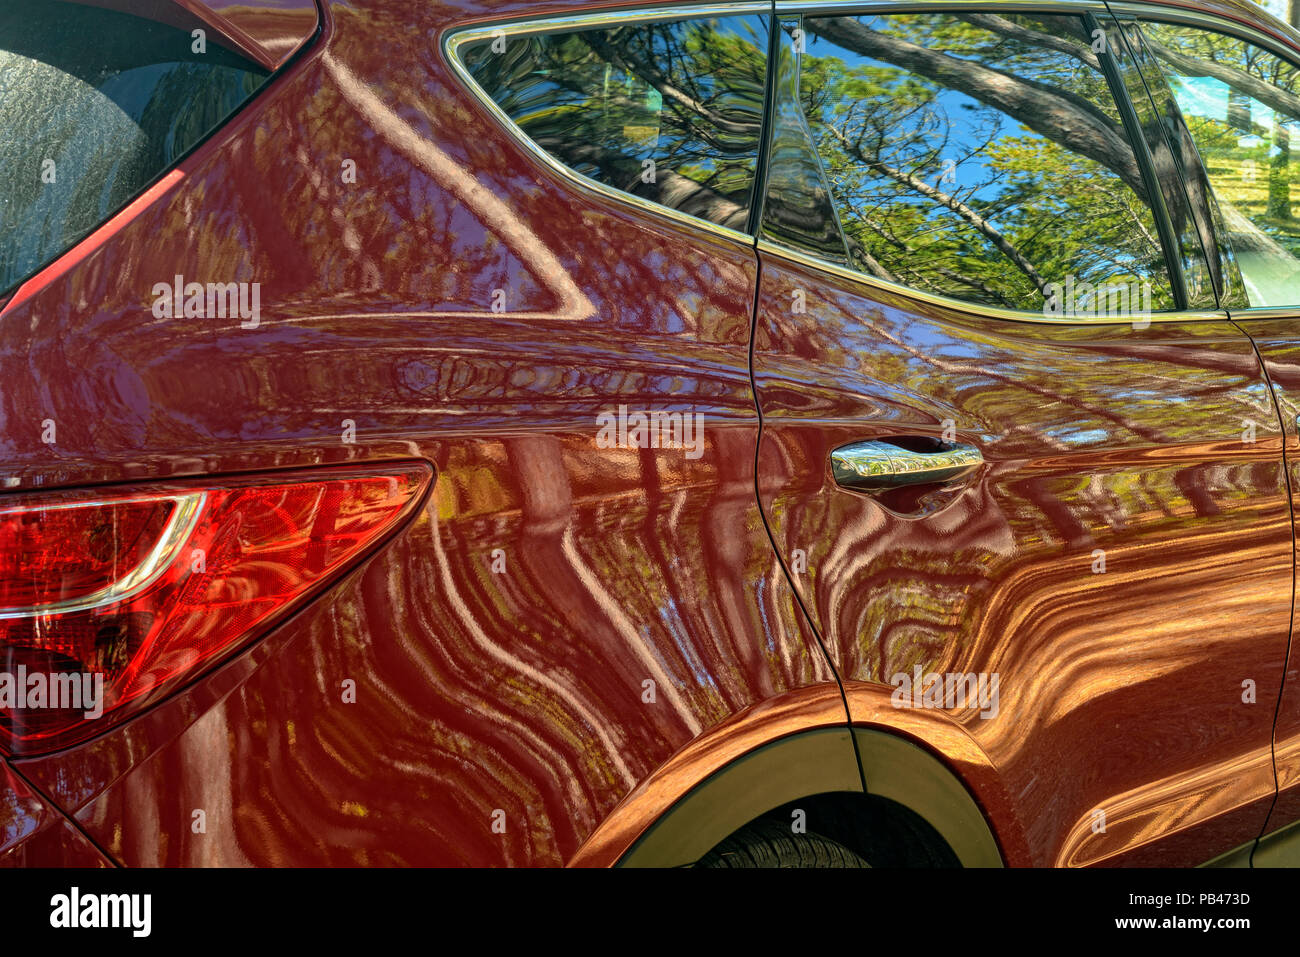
x=671 y=112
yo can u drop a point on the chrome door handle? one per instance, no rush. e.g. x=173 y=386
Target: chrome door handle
x=872 y=466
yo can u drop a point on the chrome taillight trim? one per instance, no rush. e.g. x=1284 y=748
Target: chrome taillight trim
x=181 y=525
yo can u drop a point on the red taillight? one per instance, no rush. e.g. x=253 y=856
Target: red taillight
x=145 y=589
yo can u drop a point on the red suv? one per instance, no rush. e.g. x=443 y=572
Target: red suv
x=504 y=433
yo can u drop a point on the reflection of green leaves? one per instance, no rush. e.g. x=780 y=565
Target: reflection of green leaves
x=1241 y=106
x=1023 y=209
x=686 y=95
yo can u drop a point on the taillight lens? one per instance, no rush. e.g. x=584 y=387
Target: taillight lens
x=109 y=601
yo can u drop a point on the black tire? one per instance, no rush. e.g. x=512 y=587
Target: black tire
x=771 y=844
x=894 y=837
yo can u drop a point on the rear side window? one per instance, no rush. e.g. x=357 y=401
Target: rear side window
x=669 y=112
x=1242 y=105
x=1175 y=165
x=94 y=105
x=976 y=156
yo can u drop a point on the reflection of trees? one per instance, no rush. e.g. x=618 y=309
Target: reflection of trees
x=687 y=96
x=920 y=186
x=1233 y=64
x=1236 y=139
x=1060 y=193
x=1073 y=120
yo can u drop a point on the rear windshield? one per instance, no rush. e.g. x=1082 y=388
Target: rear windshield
x=94 y=106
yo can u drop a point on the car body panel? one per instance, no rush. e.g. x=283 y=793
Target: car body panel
x=521 y=690
x=33 y=833
x=500 y=643
x=1275 y=333
x=1094 y=437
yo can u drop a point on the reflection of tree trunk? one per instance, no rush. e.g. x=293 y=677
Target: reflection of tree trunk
x=1279 y=173
x=726 y=544
x=205 y=781
x=1274 y=97
x=1239 y=110
x=1063 y=117
x=669 y=188
x=1056 y=509
x=578 y=592
x=1008 y=28
x=1192 y=483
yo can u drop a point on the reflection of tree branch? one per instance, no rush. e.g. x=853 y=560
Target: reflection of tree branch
x=629 y=62
x=671 y=189
x=918 y=185
x=910 y=253
x=997 y=24
x=874 y=265
x=1059 y=115
x=562 y=78
x=1274 y=97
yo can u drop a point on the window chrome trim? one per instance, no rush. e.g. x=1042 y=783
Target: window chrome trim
x=1265 y=312
x=455 y=39
x=976 y=309
x=1210 y=21
x=848 y=7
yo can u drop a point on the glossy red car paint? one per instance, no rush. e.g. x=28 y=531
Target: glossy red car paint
x=1000 y=580
x=268 y=32
x=525 y=692
x=475 y=691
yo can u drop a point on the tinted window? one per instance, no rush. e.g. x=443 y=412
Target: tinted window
x=799 y=209
x=1242 y=105
x=1175 y=165
x=979 y=156
x=94 y=105
x=671 y=112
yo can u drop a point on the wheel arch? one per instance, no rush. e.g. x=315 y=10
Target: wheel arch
x=797 y=748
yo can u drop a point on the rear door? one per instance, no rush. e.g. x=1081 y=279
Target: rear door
x=1024 y=472
x=1239 y=94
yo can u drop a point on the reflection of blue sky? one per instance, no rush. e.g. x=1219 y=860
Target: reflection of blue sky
x=965 y=121
x=1082 y=436
x=954 y=348
x=1207 y=97
x=1135 y=394
x=953 y=125
x=1201 y=96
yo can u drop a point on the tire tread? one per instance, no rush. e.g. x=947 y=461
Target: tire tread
x=768 y=844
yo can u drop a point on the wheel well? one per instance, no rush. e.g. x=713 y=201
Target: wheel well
x=915 y=810
x=884 y=832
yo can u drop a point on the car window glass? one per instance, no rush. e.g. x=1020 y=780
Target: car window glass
x=94 y=105
x=798 y=209
x=1175 y=164
x=982 y=157
x=1242 y=105
x=671 y=112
